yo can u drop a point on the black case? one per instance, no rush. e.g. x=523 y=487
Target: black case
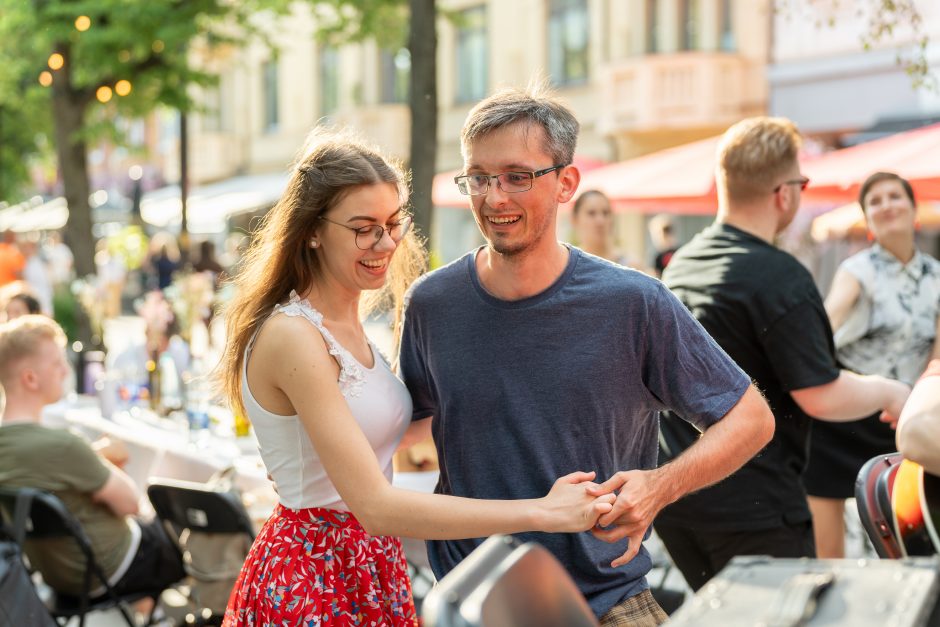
x=788 y=592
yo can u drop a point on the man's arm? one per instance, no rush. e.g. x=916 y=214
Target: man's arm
x=111 y=449
x=918 y=436
x=119 y=492
x=723 y=448
x=852 y=396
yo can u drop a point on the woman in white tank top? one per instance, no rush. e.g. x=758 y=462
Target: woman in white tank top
x=329 y=413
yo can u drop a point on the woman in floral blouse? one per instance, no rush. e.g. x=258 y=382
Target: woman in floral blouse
x=884 y=306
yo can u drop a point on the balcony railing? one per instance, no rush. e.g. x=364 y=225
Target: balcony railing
x=681 y=90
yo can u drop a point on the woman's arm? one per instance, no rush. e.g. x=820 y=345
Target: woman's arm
x=297 y=363
x=842 y=297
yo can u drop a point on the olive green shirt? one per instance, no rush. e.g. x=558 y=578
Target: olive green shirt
x=64 y=464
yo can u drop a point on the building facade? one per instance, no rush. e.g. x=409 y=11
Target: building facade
x=641 y=75
x=838 y=88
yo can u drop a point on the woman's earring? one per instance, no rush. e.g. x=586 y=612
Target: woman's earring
x=314 y=243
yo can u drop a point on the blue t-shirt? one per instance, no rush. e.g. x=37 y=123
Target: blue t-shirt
x=570 y=379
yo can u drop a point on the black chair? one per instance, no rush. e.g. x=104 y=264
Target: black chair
x=873 y=487
x=507 y=584
x=213 y=532
x=198 y=507
x=38 y=515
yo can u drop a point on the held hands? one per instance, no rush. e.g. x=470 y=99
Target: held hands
x=574 y=503
x=897 y=396
x=638 y=502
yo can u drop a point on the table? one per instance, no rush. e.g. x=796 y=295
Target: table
x=161 y=447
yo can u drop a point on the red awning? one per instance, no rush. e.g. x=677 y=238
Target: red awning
x=445 y=194
x=915 y=155
x=675 y=180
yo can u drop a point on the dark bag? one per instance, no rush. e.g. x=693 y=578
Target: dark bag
x=19 y=603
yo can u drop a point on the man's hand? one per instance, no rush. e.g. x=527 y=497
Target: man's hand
x=639 y=500
x=115 y=451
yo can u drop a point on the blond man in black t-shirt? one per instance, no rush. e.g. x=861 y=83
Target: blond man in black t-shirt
x=134 y=555
x=763 y=308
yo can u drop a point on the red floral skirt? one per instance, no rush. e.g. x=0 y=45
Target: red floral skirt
x=319 y=567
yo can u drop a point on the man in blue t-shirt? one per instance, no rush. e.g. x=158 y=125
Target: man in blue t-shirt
x=536 y=359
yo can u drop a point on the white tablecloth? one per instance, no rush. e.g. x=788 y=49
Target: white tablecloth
x=160 y=447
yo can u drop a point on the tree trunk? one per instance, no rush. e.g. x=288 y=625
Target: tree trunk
x=68 y=106
x=422 y=43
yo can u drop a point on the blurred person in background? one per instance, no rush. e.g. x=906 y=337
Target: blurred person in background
x=884 y=306
x=60 y=258
x=163 y=262
x=593 y=222
x=112 y=275
x=22 y=303
x=136 y=555
x=207 y=262
x=662 y=232
x=36 y=274
x=161 y=336
x=11 y=259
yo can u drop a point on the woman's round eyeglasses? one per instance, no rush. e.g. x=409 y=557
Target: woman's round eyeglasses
x=368 y=236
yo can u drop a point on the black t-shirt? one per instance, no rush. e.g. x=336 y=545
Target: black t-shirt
x=761 y=305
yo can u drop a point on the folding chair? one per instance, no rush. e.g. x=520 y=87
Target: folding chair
x=507 y=584
x=194 y=514
x=38 y=515
x=873 y=487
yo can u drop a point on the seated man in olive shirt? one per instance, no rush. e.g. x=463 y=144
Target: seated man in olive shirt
x=135 y=555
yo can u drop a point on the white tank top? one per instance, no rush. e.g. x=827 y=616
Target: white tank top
x=377 y=399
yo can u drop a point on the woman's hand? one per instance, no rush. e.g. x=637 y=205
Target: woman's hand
x=569 y=507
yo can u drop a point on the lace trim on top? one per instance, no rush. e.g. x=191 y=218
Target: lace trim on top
x=351 y=373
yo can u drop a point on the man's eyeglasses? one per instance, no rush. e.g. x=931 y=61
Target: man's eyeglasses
x=369 y=236
x=509 y=182
x=802 y=182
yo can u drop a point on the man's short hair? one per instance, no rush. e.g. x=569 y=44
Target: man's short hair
x=535 y=105
x=22 y=337
x=754 y=154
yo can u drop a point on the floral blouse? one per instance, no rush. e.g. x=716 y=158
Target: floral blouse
x=891 y=332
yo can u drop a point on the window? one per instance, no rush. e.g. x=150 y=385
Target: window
x=568 y=41
x=690 y=18
x=472 y=62
x=269 y=78
x=652 y=26
x=395 y=68
x=726 y=35
x=329 y=80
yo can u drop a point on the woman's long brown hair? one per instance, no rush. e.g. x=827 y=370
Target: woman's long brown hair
x=279 y=258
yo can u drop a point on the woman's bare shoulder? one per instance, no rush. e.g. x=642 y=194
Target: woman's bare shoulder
x=284 y=339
